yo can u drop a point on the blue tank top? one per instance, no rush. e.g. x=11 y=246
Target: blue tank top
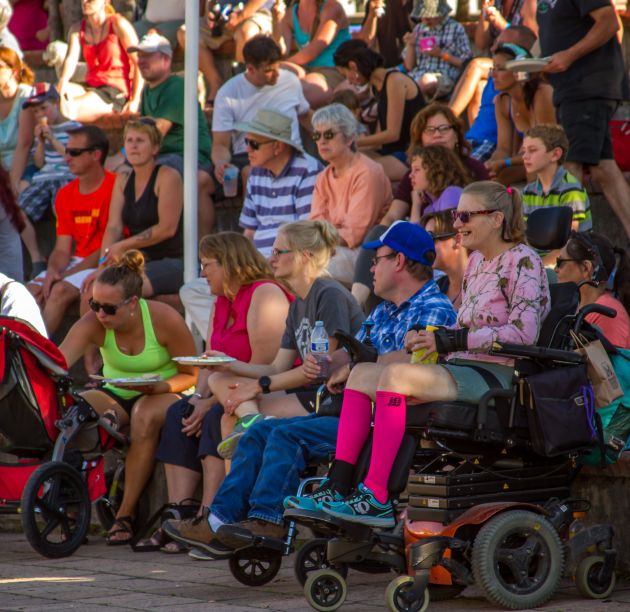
x=325 y=58
x=484 y=127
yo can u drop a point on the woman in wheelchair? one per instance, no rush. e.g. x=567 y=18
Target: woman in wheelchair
x=135 y=337
x=589 y=259
x=505 y=298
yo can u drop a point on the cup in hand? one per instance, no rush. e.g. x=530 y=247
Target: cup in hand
x=427 y=43
x=230 y=181
x=419 y=356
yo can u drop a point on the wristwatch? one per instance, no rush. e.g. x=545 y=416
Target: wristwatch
x=265 y=382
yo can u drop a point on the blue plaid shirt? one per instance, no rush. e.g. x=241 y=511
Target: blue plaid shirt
x=428 y=306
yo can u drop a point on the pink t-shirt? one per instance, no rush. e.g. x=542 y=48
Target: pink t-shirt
x=617 y=329
x=505 y=299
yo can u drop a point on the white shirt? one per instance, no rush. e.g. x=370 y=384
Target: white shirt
x=238 y=101
x=19 y=303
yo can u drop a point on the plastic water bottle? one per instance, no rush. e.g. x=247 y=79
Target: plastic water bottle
x=319 y=347
x=380 y=11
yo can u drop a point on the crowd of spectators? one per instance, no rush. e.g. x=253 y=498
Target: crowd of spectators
x=380 y=168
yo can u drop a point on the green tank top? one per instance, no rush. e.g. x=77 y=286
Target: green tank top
x=154 y=359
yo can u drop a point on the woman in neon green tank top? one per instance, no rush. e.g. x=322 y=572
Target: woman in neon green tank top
x=135 y=337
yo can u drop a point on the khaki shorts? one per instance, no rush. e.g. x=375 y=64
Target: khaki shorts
x=262 y=19
x=332 y=75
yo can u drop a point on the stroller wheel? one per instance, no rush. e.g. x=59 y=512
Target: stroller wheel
x=517 y=560
x=588 y=581
x=397 y=600
x=311 y=557
x=325 y=590
x=255 y=566
x=55 y=510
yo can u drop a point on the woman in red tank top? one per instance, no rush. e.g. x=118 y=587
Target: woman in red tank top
x=113 y=82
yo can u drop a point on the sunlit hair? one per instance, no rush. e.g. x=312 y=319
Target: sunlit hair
x=492 y=195
x=444 y=168
x=443 y=221
x=318 y=239
x=145 y=125
x=23 y=74
x=337 y=117
x=127 y=271
x=419 y=124
x=552 y=136
x=242 y=263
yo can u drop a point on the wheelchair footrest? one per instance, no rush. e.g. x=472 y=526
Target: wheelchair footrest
x=322 y=524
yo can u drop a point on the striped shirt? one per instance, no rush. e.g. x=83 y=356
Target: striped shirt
x=565 y=190
x=55 y=166
x=272 y=201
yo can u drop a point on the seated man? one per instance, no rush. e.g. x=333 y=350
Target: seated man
x=275 y=451
x=82 y=209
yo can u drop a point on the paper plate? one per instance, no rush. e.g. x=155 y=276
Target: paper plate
x=202 y=361
x=135 y=381
x=527 y=64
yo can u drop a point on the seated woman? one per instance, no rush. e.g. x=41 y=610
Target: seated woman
x=113 y=82
x=518 y=106
x=352 y=193
x=247 y=322
x=135 y=337
x=317 y=27
x=505 y=298
x=398 y=99
x=589 y=260
x=299 y=258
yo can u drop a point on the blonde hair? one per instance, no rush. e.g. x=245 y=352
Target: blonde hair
x=242 y=263
x=127 y=271
x=493 y=195
x=318 y=238
x=147 y=126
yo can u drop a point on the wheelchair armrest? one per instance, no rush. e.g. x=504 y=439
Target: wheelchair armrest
x=536 y=352
x=358 y=351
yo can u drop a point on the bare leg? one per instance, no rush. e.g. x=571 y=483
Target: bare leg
x=62 y=295
x=181 y=482
x=213 y=475
x=85 y=107
x=208 y=67
x=29 y=238
x=466 y=87
x=425 y=383
x=241 y=35
x=102 y=403
x=316 y=90
x=615 y=188
x=364 y=378
x=206 y=213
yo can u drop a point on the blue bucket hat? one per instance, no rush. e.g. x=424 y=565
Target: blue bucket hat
x=413 y=241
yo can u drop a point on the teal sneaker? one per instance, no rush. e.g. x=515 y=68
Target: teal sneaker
x=364 y=508
x=313 y=501
x=228 y=445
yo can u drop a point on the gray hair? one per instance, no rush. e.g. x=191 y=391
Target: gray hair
x=337 y=116
x=6 y=12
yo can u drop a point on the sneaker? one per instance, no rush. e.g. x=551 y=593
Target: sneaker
x=228 y=445
x=242 y=535
x=364 y=508
x=200 y=555
x=313 y=501
x=197 y=532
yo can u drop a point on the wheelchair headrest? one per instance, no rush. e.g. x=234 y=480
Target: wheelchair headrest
x=549 y=228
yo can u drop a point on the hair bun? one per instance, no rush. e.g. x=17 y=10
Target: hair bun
x=133 y=260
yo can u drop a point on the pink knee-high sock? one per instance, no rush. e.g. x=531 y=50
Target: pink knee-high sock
x=389 y=429
x=354 y=425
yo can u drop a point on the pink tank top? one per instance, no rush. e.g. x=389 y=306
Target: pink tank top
x=107 y=61
x=234 y=340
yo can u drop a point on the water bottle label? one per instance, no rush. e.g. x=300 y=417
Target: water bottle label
x=319 y=347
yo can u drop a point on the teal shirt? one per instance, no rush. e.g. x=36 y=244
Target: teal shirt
x=325 y=58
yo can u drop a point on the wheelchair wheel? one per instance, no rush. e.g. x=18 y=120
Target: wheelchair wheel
x=255 y=566
x=443 y=592
x=587 y=578
x=325 y=590
x=311 y=557
x=55 y=510
x=517 y=560
x=396 y=600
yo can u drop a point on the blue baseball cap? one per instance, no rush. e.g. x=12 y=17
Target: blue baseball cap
x=413 y=241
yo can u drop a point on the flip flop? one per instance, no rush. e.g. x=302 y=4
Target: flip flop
x=123 y=524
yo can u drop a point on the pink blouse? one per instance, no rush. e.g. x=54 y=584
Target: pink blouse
x=504 y=299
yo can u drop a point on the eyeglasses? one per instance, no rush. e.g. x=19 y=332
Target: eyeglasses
x=326 y=135
x=377 y=258
x=465 y=215
x=254 y=145
x=75 y=152
x=108 y=309
x=276 y=252
x=438 y=129
x=560 y=261
x=207 y=263
x=444 y=236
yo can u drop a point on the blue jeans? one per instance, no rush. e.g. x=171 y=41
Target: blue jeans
x=267 y=466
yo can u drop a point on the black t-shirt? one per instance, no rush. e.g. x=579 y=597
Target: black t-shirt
x=598 y=74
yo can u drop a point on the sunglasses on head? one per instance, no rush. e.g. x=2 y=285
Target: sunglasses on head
x=108 y=309
x=75 y=152
x=326 y=135
x=254 y=145
x=465 y=215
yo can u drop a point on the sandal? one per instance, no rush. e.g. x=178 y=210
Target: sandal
x=123 y=524
x=174 y=548
x=157 y=541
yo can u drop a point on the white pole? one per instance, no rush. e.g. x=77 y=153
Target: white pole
x=191 y=150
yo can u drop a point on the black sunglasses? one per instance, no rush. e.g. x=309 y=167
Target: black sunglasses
x=75 y=152
x=254 y=145
x=560 y=261
x=108 y=309
x=444 y=236
x=326 y=135
x=465 y=215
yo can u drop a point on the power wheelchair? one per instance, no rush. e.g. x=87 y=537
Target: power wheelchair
x=482 y=507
